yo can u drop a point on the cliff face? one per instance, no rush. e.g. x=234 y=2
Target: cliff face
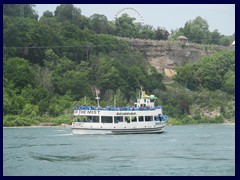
x=167 y=55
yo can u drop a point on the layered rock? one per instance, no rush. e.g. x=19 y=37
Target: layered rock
x=167 y=55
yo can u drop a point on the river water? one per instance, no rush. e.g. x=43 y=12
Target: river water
x=190 y=150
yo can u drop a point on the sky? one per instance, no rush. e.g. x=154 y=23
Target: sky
x=169 y=16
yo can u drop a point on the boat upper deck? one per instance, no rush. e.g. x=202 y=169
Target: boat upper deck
x=110 y=108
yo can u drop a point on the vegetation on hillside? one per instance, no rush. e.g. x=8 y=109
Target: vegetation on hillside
x=197 y=31
x=55 y=62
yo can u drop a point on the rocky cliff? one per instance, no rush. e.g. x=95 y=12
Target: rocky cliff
x=167 y=55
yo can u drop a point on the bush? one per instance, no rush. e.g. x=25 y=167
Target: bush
x=9 y=120
x=30 y=110
x=218 y=119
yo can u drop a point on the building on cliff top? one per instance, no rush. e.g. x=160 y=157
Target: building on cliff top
x=182 y=38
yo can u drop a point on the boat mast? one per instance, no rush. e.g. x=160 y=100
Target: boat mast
x=114 y=100
x=142 y=93
x=97 y=98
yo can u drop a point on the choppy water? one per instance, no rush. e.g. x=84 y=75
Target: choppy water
x=181 y=151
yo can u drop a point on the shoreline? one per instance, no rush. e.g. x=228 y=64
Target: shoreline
x=37 y=126
x=229 y=123
x=69 y=126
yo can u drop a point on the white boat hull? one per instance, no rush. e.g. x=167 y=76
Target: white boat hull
x=90 y=131
x=119 y=128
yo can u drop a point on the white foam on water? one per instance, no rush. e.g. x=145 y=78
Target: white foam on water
x=70 y=134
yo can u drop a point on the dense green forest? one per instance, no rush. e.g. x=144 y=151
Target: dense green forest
x=54 y=62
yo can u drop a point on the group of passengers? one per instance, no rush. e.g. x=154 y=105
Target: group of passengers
x=111 y=108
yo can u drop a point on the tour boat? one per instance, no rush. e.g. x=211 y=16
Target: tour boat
x=143 y=117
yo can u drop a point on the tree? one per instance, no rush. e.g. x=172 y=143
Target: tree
x=161 y=34
x=43 y=77
x=41 y=98
x=146 y=32
x=74 y=83
x=11 y=103
x=136 y=78
x=20 y=10
x=99 y=23
x=154 y=80
x=197 y=30
x=30 y=35
x=111 y=27
x=30 y=110
x=225 y=40
x=215 y=37
x=125 y=26
x=69 y=13
x=51 y=60
x=229 y=82
x=66 y=12
x=48 y=14
x=18 y=71
x=185 y=76
x=209 y=72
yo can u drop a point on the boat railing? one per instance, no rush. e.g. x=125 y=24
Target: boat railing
x=110 y=108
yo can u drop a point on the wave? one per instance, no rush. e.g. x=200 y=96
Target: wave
x=69 y=134
x=57 y=158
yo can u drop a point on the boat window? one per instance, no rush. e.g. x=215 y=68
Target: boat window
x=81 y=119
x=148 y=118
x=94 y=119
x=118 y=119
x=156 y=118
x=134 y=119
x=140 y=118
x=107 y=119
x=127 y=119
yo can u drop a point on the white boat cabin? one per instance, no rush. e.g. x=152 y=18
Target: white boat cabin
x=145 y=101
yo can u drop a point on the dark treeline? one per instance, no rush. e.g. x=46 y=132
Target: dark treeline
x=54 y=62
